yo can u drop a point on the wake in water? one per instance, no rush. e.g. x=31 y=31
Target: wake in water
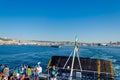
x=100 y=53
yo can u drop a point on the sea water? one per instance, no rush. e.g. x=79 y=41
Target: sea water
x=16 y=55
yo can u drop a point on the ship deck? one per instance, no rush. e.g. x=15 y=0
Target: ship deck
x=92 y=69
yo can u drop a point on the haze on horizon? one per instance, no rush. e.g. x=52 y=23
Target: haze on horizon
x=60 y=20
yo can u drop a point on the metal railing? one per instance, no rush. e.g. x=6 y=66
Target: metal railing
x=92 y=75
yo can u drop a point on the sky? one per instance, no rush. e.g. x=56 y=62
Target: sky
x=60 y=20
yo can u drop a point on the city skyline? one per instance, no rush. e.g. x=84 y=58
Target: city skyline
x=51 y=20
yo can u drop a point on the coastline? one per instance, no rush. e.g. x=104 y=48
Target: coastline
x=4 y=41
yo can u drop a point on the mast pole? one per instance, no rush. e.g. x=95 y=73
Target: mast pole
x=71 y=73
x=72 y=66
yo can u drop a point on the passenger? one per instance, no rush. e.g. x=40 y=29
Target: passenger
x=39 y=69
x=16 y=73
x=36 y=76
x=6 y=71
x=54 y=73
x=27 y=77
x=5 y=77
x=21 y=69
x=29 y=71
x=11 y=77
x=1 y=75
x=24 y=69
x=22 y=77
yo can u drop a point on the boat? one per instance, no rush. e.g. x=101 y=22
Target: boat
x=56 y=46
x=74 y=67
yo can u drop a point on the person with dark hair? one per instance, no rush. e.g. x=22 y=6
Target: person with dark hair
x=54 y=73
x=11 y=77
x=24 y=69
x=16 y=73
x=6 y=71
x=27 y=77
x=36 y=76
x=29 y=71
x=22 y=77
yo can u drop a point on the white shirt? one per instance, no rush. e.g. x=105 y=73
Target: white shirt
x=39 y=69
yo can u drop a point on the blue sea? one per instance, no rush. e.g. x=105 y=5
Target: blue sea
x=30 y=55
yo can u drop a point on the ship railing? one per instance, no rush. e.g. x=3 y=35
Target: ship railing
x=77 y=74
x=66 y=77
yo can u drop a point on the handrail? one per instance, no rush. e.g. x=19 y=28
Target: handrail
x=94 y=72
x=85 y=70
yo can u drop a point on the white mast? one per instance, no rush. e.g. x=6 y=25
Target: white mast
x=73 y=60
x=72 y=65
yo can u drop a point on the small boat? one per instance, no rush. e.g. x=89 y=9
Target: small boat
x=56 y=46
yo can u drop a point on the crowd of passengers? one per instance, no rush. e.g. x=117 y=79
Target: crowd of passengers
x=22 y=73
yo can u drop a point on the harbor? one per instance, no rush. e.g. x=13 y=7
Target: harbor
x=9 y=41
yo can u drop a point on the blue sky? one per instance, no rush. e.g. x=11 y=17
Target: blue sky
x=60 y=20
